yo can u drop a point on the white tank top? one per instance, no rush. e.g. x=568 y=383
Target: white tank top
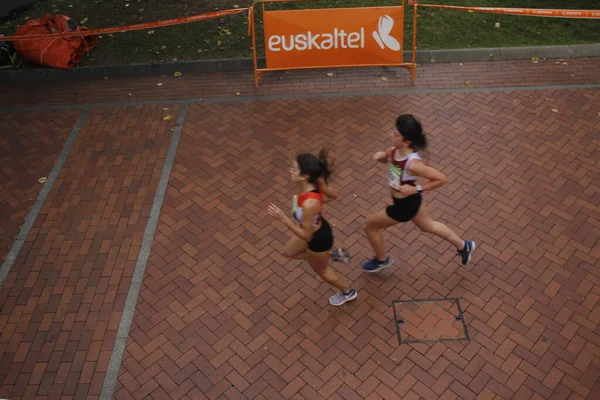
x=398 y=168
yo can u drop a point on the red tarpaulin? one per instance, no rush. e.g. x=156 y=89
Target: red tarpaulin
x=58 y=52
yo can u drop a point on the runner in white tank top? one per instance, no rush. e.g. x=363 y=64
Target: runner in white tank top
x=405 y=167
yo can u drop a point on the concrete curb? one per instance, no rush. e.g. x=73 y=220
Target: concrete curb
x=245 y=64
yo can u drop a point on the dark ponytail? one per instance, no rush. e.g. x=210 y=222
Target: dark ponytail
x=314 y=167
x=410 y=129
x=326 y=166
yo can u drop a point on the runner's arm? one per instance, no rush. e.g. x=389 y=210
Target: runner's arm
x=329 y=192
x=310 y=209
x=435 y=178
x=382 y=156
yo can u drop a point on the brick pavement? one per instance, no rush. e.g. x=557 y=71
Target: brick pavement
x=25 y=158
x=221 y=314
x=62 y=301
x=219 y=85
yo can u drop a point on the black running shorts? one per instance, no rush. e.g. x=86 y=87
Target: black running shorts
x=322 y=239
x=404 y=209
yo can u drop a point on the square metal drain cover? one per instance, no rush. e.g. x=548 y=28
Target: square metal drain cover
x=435 y=320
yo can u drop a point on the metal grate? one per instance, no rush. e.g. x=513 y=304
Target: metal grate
x=427 y=321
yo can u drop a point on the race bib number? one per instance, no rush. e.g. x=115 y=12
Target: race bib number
x=294 y=204
x=394 y=178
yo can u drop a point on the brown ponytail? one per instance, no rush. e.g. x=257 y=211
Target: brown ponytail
x=326 y=166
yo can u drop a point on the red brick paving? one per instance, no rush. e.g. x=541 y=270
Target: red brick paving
x=222 y=314
x=221 y=310
x=24 y=158
x=197 y=86
x=62 y=301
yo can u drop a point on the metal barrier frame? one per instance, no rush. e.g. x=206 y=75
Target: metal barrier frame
x=411 y=66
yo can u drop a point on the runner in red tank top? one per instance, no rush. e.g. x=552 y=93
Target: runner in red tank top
x=313 y=236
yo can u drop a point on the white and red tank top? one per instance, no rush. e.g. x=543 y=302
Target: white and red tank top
x=302 y=197
x=398 y=168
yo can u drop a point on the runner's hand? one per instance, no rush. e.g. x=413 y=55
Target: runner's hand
x=380 y=156
x=275 y=212
x=407 y=190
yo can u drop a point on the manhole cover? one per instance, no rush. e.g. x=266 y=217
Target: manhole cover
x=436 y=320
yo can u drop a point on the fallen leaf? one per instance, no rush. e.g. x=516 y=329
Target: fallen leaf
x=237 y=93
x=159 y=84
x=165 y=109
x=236 y=6
x=168 y=118
x=468 y=83
x=219 y=42
x=42 y=179
x=163 y=47
x=129 y=94
x=330 y=74
x=497 y=25
x=383 y=78
x=83 y=21
x=535 y=59
x=177 y=74
x=554 y=110
x=106 y=78
x=564 y=63
x=150 y=32
x=433 y=60
x=491 y=55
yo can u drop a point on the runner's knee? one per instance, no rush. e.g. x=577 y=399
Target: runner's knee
x=291 y=252
x=288 y=253
x=428 y=227
x=368 y=226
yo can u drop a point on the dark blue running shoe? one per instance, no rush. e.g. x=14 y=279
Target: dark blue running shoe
x=375 y=265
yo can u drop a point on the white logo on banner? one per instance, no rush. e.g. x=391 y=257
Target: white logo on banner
x=382 y=34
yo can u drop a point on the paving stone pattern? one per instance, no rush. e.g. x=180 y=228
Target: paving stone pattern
x=222 y=314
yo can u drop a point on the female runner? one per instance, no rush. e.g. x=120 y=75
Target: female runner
x=405 y=167
x=313 y=236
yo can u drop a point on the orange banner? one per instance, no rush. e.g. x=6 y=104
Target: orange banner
x=334 y=37
x=146 y=25
x=533 y=12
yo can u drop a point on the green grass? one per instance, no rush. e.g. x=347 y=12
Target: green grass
x=228 y=37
